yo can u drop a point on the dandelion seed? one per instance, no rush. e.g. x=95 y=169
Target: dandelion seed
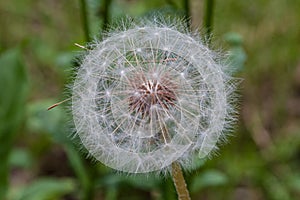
x=151 y=95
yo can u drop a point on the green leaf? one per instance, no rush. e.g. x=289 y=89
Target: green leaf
x=20 y=158
x=237 y=55
x=78 y=166
x=110 y=180
x=46 y=189
x=293 y=181
x=14 y=88
x=52 y=122
x=142 y=181
x=275 y=188
x=207 y=179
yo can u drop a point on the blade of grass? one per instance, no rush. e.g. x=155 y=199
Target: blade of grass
x=208 y=19
x=186 y=4
x=81 y=172
x=14 y=89
x=106 y=14
x=84 y=19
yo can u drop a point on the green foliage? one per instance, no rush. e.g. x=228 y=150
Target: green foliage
x=262 y=158
x=20 y=158
x=14 y=88
x=45 y=189
x=208 y=178
x=237 y=55
x=55 y=123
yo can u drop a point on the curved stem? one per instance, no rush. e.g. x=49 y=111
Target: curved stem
x=179 y=182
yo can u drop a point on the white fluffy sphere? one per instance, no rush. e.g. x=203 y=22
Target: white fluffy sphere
x=148 y=96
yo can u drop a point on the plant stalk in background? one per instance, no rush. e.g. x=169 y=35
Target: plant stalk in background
x=105 y=14
x=186 y=4
x=84 y=18
x=208 y=19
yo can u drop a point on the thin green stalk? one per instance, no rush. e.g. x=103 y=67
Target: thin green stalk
x=186 y=4
x=105 y=14
x=84 y=19
x=208 y=19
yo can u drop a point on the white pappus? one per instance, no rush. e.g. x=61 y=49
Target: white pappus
x=149 y=95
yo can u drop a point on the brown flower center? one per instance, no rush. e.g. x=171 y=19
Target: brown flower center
x=152 y=93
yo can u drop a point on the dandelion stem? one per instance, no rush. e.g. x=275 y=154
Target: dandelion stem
x=179 y=182
x=177 y=175
x=85 y=23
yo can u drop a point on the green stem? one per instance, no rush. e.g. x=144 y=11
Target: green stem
x=186 y=4
x=105 y=14
x=84 y=16
x=171 y=3
x=208 y=19
x=179 y=182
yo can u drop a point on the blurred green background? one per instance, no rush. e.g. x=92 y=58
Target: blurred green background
x=38 y=159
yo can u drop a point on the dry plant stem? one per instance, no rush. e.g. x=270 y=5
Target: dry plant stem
x=179 y=182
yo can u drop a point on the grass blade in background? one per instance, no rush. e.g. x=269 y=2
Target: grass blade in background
x=85 y=19
x=47 y=188
x=81 y=172
x=208 y=19
x=13 y=87
x=105 y=14
x=54 y=123
x=186 y=4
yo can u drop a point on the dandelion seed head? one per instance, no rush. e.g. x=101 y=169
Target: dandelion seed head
x=150 y=95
